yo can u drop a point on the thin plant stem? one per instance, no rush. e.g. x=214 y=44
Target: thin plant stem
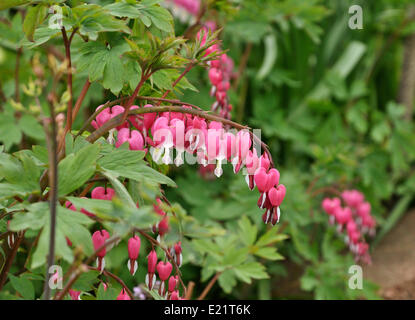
x=209 y=286
x=53 y=199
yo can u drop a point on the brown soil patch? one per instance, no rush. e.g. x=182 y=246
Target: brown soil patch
x=393 y=267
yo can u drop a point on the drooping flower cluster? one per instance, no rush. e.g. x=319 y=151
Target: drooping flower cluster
x=195 y=139
x=354 y=219
x=220 y=74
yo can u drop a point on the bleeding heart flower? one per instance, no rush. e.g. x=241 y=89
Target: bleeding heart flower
x=363 y=209
x=75 y=295
x=261 y=180
x=353 y=198
x=123 y=295
x=164 y=270
x=173 y=281
x=175 y=295
x=103 y=193
x=134 y=244
x=330 y=205
x=276 y=195
x=177 y=253
x=98 y=240
x=108 y=114
x=264 y=161
x=273 y=178
x=134 y=138
x=152 y=262
x=343 y=215
x=215 y=76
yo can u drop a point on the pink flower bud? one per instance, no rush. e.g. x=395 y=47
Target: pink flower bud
x=173 y=281
x=133 y=251
x=152 y=261
x=134 y=244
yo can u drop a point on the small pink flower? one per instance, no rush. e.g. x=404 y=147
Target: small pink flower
x=173 y=281
x=98 y=240
x=276 y=195
x=152 y=263
x=75 y=295
x=261 y=179
x=363 y=209
x=175 y=295
x=353 y=198
x=164 y=270
x=330 y=205
x=106 y=115
x=178 y=253
x=343 y=215
x=134 y=138
x=102 y=193
x=123 y=295
x=134 y=244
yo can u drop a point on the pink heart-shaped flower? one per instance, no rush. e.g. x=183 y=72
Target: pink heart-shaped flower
x=164 y=270
x=99 y=193
x=276 y=195
x=134 y=138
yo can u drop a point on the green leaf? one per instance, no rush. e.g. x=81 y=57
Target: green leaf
x=106 y=64
x=160 y=17
x=248 y=231
x=269 y=253
x=76 y=169
x=113 y=78
x=10 y=133
x=119 y=157
x=140 y=171
x=23 y=176
x=99 y=207
x=270 y=237
x=250 y=270
x=29 y=125
x=68 y=224
x=227 y=280
x=93 y=19
x=23 y=286
x=120 y=190
x=6 y=4
x=33 y=18
x=109 y=293
x=86 y=281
